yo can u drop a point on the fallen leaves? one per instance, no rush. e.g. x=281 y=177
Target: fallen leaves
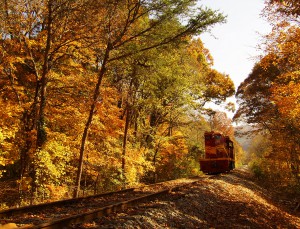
x=223 y=201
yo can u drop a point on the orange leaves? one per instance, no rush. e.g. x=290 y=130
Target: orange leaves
x=171 y=150
x=270 y=98
x=200 y=54
x=285 y=88
x=220 y=122
x=108 y=114
x=287 y=98
x=219 y=86
x=286 y=9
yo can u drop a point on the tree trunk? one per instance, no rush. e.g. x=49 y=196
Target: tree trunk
x=128 y=114
x=41 y=132
x=154 y=164
x=89 y=120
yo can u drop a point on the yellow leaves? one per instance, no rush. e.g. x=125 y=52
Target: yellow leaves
x=58 y=192
x=25 y=183
x=136 y=164
x=173 y=147
x=2 y=162
x=1 y=157
x=197 y=49
x=52 y=162
x=284 y=54
x=287 y=97
x=8 y=150
x=283 y=45
x=219 y=86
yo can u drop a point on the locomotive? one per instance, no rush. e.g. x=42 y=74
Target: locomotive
x=219 y=154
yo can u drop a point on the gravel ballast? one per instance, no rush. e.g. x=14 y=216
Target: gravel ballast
x=223 y=201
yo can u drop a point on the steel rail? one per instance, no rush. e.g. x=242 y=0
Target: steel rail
x=15 y=211
x=103 y=211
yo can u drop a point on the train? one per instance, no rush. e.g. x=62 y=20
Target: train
x=219 y=154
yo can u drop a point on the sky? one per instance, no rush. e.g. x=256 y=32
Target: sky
x=233 y=45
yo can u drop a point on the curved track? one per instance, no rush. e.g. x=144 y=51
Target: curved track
x=60 y=214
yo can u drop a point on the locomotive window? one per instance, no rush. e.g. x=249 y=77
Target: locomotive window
x=207 y=137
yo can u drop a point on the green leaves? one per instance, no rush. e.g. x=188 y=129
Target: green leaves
x=204 y=20
x=72 y=69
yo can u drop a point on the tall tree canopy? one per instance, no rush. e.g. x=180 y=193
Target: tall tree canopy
x=122 y=29
x=269 y=96
x=285 y=7
x=118 y=81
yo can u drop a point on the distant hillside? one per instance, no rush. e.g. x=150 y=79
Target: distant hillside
x=242 y=136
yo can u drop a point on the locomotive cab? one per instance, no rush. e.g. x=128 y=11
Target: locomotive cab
x=219 y=154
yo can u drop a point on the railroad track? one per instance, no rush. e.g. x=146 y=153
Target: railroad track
x=62 y=214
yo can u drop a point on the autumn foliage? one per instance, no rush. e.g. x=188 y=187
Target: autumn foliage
x=98 y=95
x=269 y=98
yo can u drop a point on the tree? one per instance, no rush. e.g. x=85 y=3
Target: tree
x=221 y=123
x=37 y=39
x=128 y=22
x=290 y=8
x=219 y=87
x=119 y=80
x=268 y=97
x=253 y=96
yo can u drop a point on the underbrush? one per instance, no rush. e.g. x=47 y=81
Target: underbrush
x=280 y=184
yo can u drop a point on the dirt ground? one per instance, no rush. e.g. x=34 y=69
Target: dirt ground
x=222 y=201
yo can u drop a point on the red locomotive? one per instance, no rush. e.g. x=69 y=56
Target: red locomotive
x=219 y=155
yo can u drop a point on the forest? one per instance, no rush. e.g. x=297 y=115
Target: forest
x=269 y=98
x=99 y=95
